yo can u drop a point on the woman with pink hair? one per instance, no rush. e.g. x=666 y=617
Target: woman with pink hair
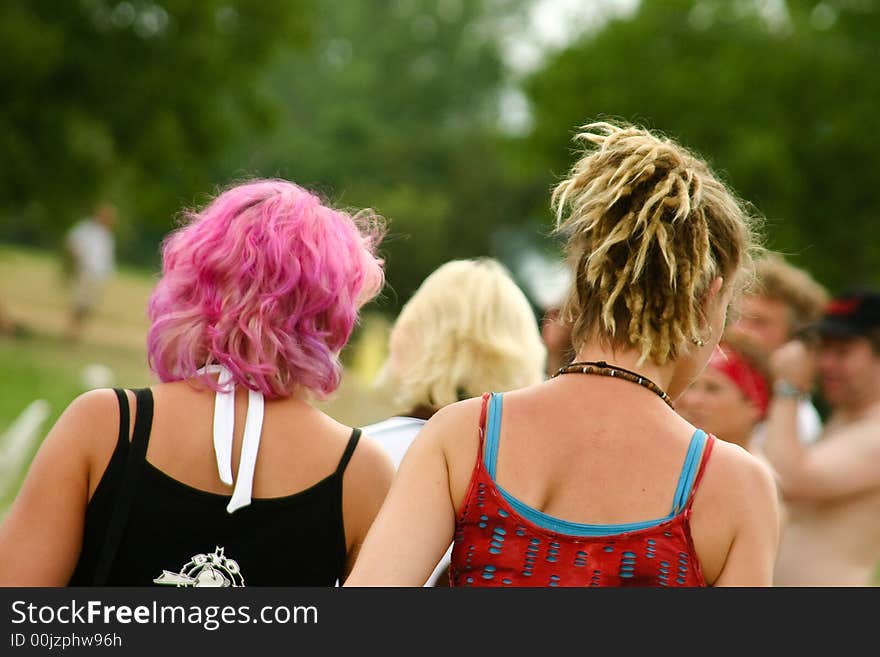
x=224 y=473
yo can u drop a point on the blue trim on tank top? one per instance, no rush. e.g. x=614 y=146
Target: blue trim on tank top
x=682 y=491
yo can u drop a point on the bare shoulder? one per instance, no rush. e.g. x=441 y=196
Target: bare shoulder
x=90 y=418
x=366 y=482
x=737 y=504
x=83 y=437
x=454 y=431
x=94 y=402
x=448 y=425
x=738 y=476
x=864 y=433
x=369 y=462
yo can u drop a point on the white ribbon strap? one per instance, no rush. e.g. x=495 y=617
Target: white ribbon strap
x=224 y=421
x=250 y=445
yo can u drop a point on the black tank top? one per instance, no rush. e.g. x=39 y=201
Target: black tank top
x=173 y=534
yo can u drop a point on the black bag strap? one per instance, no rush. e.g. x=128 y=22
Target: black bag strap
x=137 y=453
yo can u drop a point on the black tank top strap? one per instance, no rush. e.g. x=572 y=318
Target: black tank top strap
x=349 y=450
x=137 y=452
x=143 y=423
x=124 y=421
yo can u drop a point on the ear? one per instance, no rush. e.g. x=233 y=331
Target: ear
x=552 y=314
x=714 y=288
x=711 y=295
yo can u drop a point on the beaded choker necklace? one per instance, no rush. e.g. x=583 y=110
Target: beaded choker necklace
x=602 y=368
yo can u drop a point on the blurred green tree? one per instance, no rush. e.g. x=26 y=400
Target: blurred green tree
x=780 y=96
x=396 y=108
x=157 y=104
x=127 y=100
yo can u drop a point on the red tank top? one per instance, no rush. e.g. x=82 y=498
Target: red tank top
x=494 y=545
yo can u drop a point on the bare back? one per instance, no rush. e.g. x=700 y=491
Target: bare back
x=299 y=445
x=567 y=450
x=587 y=450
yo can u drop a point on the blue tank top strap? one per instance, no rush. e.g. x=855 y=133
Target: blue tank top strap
x=493 y=432
x=689 y=471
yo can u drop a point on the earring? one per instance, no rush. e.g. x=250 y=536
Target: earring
x=699 y=341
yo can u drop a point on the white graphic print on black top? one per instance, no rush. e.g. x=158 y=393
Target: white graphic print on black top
x=304 y=528
x=204 y=570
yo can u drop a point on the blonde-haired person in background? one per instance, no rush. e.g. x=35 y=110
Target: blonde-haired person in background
x=572 y=481
x=783 y=301
x=468 y=328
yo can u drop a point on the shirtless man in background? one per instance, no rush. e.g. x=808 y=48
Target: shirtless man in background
x=832 y=487
x=784 y=301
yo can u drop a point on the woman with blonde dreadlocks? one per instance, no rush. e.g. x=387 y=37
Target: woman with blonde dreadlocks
x=591 y=477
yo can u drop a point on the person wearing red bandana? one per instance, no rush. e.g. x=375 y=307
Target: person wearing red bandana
x=732 y=394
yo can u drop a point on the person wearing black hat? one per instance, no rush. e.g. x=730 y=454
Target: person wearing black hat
x=832 y=488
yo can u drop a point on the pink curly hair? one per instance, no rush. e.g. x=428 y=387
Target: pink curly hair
x=267 y=281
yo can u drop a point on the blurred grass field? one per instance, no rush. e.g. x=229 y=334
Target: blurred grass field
x=43 y=364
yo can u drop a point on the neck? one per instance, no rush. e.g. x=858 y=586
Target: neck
x=742 y=438
x=662 y=375
x=856 y=410
x=422 y=411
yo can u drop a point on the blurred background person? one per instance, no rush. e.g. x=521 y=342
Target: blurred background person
x=548 y=282
x=555 y=327
x=468 y=328
x=556 y=334
x=729 y=398
x=783 y=301
x=226 y=462
x=572 y=481
x=89 y=262
x=831 y=488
